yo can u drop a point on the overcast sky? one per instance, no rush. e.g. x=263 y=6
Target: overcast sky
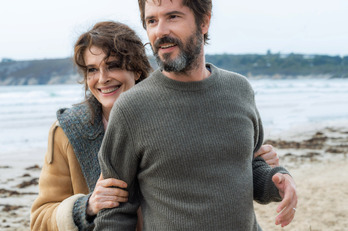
x=38 y=29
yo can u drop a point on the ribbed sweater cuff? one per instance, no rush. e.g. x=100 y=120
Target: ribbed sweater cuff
x=82 y=221
x=265 y=190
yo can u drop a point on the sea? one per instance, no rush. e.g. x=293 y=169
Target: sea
x=27 y=112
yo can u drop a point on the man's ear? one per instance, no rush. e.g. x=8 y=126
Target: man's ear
x=206 y=24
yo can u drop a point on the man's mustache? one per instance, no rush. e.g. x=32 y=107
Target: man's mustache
x=166 y=39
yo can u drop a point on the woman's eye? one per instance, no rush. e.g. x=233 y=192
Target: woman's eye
x=91 y=70
x=113 y=67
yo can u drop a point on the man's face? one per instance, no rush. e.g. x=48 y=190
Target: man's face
x=175 y=39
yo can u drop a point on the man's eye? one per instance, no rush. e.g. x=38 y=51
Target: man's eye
x=150 y=21
x=173 y=16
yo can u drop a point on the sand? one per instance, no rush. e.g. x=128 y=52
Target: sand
x=323 y=199
x=315 y=156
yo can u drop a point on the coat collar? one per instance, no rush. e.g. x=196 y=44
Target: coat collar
x=79 y=118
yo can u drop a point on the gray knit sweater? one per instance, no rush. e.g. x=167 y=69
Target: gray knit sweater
x=186 y=151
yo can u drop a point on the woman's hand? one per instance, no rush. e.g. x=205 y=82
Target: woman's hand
x=268 y=153
x=104 y=196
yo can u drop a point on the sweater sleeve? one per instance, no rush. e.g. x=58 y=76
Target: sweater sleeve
x=82 y=221
x=265 y=190
x=118 y=160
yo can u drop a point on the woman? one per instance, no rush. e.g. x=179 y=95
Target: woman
x=71 y=189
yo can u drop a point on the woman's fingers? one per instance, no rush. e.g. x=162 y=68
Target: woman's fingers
x=112 y=182
x=263 y=150
x=108 y=193
x=269 y=154
x=104 y=191
x=105 y=197
x=111 y=198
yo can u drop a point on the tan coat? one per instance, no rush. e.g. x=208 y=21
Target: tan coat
x=61 y=184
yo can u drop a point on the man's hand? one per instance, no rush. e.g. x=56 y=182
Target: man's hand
x=287 y=190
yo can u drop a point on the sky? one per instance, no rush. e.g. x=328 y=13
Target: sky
x=40 y=29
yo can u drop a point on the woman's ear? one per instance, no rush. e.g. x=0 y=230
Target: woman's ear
x=137 y=75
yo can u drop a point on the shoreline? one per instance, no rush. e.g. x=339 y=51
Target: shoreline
x=316 y=157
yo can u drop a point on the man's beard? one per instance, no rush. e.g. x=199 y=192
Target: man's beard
x=187 y=57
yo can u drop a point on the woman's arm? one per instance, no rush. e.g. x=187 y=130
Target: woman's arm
x=55 y=184
x=62 y=185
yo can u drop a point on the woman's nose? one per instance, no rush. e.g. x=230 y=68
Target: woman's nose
x=103 y=75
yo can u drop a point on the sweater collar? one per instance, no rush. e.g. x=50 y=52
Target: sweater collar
x=188 y=86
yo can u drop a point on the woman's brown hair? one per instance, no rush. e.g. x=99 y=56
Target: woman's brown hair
x=117 y=40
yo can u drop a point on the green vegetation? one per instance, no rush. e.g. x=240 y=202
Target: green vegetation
x=290 y=65
x=61 y=71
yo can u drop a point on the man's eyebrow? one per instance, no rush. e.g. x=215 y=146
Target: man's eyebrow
x=166 y=14
x=149 y=17
x=174 y=12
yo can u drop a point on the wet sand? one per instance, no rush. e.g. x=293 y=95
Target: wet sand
x=316 y=158
x=19 y=173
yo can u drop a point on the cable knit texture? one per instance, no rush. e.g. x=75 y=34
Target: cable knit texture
x=186 y=151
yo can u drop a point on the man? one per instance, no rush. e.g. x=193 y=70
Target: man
x=184 y=139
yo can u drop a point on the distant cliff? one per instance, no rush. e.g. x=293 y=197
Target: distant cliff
x=62 y=71
x=33 y=72
x=283 y=65
x=38 y=72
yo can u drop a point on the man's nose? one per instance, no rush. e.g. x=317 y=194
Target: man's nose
x=162 y=29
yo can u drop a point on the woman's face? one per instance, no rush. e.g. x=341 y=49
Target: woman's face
x=105 y=79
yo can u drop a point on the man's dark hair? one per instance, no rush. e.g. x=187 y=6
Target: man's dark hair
x=200 y=9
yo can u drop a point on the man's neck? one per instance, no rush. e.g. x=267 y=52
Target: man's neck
x=197 y=73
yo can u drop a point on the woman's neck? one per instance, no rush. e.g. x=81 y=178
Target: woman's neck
x=105 y=117
x=106 y=113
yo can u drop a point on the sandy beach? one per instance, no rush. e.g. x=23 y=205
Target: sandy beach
x=316 y=157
